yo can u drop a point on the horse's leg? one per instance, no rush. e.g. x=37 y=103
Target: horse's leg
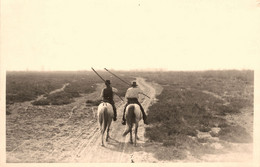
x=131 y=135
x=108 y=128
x=102 y=137
x=136 y=128
x=101 y=129
x=107 y=133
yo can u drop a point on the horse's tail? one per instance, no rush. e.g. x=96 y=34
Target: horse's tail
x=130 y=119
x=104 y=119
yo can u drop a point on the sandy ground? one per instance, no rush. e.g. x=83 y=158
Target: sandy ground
x=70 y=133
x=63 y=135
x=118 y=149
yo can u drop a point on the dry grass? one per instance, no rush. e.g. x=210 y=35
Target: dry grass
x=184 y=109
x=26 y=86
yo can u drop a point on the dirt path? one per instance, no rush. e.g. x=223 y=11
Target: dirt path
x=70 y=133
x=117 y=149
x=54 y=91
x=61 y=89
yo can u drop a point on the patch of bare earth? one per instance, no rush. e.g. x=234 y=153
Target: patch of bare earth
x=233 y=152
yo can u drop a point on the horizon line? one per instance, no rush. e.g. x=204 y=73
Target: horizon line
x=139 y=70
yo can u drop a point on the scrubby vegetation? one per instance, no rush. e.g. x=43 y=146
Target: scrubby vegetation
x=93 y=102
x=185 y=107
x=27 y=86
x=58 y=98
x=190 y=103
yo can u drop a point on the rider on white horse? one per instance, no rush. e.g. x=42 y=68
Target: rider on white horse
x=107 y=95
x=132 y=95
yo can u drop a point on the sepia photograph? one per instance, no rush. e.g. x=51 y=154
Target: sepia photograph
x=149 y=83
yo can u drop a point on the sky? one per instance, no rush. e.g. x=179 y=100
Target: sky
x=132 y=34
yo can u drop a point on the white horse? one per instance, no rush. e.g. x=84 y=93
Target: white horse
x=133 y=115
x=105 y=114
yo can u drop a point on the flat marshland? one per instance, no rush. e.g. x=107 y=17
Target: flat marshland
x=195 y=116
x=201 y=113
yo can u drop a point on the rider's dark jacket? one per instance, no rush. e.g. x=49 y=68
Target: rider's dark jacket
x=107 y=95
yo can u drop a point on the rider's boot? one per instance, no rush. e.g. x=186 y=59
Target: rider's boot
x=123 y=121
x=145 y=119
x=115 y=115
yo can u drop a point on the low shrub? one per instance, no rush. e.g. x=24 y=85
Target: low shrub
x=93 y=102
x=41 y=102
x=236 y=134
x=192 y=102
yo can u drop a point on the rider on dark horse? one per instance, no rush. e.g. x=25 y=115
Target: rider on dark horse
x=132 y=95
x=107 y=95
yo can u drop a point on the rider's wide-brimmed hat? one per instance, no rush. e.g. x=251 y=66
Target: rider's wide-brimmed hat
x=134 y=84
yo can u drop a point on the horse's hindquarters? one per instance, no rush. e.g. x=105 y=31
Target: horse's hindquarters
x=108 y=106
x=105 y=114
x=133 y=115
x=135 y=108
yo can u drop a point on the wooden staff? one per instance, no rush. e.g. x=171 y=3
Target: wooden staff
x=124 y=81
x=105 y=82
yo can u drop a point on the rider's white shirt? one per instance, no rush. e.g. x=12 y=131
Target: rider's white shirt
x=133 y=92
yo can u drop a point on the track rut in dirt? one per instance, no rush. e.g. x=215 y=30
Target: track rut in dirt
x=70 y=133
x=118 y=149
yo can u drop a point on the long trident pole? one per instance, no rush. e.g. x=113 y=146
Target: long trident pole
x=105 y=81
x=123 y=80
x=118 y=77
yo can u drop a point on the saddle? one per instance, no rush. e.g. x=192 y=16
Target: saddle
x=106 y=101
x=132 y=101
